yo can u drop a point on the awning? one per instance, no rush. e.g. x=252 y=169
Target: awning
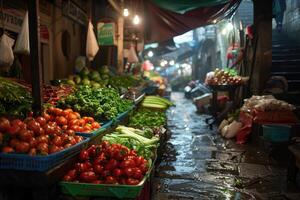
x=163 y=24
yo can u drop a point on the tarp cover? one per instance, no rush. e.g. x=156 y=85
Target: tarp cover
x=163 y=24
x=182 y=6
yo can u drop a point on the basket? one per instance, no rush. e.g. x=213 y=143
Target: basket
x=38 y=163
x=276 y=132
x=102 y=190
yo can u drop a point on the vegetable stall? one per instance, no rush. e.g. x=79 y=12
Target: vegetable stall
x=86 y=139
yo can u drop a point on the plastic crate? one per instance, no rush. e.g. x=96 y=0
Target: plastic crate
x=102 y=190
x=38 y=163
x=276 y=132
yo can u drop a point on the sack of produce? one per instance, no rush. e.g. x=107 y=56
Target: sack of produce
x=91 y=43
x=222 y=125
x=22 y=43
x=6 y=53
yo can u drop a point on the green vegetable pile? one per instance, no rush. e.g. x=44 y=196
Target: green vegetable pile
x=100 y=103
x=148 y=118
x=122 y=83
x=15 y=100
x=144 y=142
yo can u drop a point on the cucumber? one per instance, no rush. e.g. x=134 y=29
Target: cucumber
x=160 y=98
x=148 y=105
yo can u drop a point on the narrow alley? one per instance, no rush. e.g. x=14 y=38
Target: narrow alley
x=199 y=164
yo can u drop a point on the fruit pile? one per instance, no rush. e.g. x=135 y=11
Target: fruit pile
x=109 y=164
x=34 y=136
x=68 y=120
x=224 y=77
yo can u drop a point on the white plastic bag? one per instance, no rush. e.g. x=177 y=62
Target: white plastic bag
x=132 y=57
x=91 y=43
x=22 y=43
x=232 y=129
x=222 y=125
x=6 y=52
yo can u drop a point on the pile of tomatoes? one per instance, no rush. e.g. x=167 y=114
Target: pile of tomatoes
x=108 y=164
x=69 y=120
x=34 y=136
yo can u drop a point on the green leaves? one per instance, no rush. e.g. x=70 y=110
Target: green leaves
x=148 y=118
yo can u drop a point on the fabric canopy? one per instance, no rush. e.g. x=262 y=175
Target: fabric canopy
x=182 y=6
x=162 y=24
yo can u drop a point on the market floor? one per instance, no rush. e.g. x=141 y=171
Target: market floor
x=198 y=164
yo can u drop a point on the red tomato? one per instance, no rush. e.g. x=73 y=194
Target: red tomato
x=57 y=111
x=77 y=114
x=14 y=142
x=88 y=119
x=73 y=122
x=25 y=135
x=117 y=172
x=110 y=180
x=88 y=176
x=100 y=159
x=98 y=169
x=137 y=173
x=82 y=167
x=127 y=164
x=105 y=173
x=133 y=153
x=13 y=130
x=112 y=164
x=78 y=138
x=65 y=112
x=143 y=167
x=22 y=147
x=41 y=120
x=72 y=140
x=17 y=122
x=57 y=141
x=49 y=130
x=128 y=172
x=42 y=139
x=7 y=149
x=32 y=152
x=67 y=145
x=41 y=132
x=75 y=128
x=72 y=173
x=43 y=148
x=84 y=155
x=105 y=145
x=72 y=116
x=87 y=129
x=46 y=116
x=95 y=125
x=33 y=143
x=64 y=127
x=132 y=181
x=4 y=124
x=53 y=149
x=97 y=182
x=67 y=178
x=61 y=120
x=70 y=132
x=34 y=126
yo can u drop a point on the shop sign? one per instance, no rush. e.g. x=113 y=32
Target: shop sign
x=73 y=11
x=106 y=33
x=12 y=19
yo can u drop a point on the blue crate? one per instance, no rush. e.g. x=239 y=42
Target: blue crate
x=38 y=163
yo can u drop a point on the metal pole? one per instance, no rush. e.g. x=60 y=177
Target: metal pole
x=35 y=52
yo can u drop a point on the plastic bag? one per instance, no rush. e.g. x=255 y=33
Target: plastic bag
x=222 y=125
x=22 y=43
x=6 y=52
x=132 y=57
x=232 y=129
x=91 y=43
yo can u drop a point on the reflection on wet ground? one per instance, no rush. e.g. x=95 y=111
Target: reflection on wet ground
x=198 y=164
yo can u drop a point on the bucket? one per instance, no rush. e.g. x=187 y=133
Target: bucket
x=276 y=132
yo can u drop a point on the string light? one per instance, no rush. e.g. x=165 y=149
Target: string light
x=126 y=12
x=136 y=20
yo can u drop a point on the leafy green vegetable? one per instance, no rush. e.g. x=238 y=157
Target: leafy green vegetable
x=148 y=118
x=15 y=100
x=97 y=102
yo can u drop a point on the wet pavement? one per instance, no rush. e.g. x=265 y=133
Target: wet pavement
x=198 y=164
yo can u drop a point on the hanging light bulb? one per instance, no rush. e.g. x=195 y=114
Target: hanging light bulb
x=136 y=20
x=126 y=12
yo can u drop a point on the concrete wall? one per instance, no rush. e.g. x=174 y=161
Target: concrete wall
x=291 y=20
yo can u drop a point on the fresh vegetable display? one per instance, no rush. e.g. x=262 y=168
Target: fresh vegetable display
x=142 y=141
x=15 y=100
x=100 y=103
x=69 y=120
x=122 y=83
x=34 y=136
x=156 y=102
x=108 y=164
x=224 y=77
x=148 y=118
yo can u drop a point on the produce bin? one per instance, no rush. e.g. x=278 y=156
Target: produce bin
x=102 y=190
x=38 y=163
x=276 y=132
x=123 y=115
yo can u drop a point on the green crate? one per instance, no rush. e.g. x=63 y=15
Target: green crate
x=102 y=190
